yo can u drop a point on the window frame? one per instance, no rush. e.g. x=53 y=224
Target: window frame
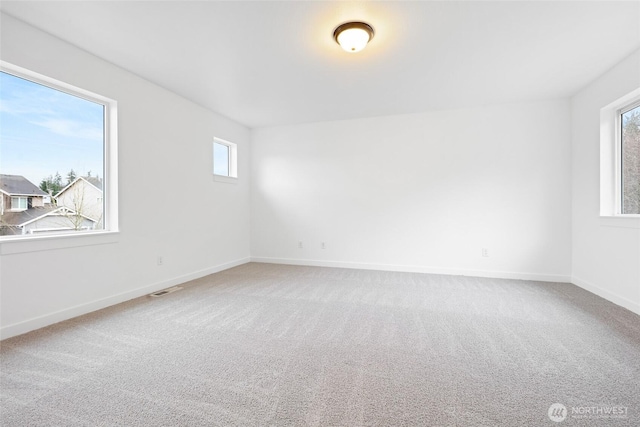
x=31 y=242
x=227 y=155
x=232 y=161
x=19 y=208
x=610 y=163
x=619 y=158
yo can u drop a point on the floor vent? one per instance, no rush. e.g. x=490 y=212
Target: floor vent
x=165 y=291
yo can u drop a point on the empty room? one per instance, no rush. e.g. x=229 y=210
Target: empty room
x=319 y=213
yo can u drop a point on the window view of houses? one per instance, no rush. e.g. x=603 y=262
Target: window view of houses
x=631 y=161
x=26 y=209
x=43 y=129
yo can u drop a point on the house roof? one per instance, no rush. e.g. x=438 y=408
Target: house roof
x=18 y=185
x=15 y=219
x=95 y=181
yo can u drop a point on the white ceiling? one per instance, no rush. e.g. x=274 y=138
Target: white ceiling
x=271 y=63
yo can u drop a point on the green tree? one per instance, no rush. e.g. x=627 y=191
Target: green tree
x=71 y=176
x=51 y=184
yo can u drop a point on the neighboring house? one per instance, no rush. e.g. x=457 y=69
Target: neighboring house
x=20 y=194
x=84 y=196
x=46 y=219
x=26 y=209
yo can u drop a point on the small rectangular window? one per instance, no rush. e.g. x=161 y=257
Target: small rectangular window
x=220 y=159
x=225 y=164
x=630 y=160
x=19 y=203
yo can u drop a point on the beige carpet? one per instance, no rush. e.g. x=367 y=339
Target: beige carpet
x=281 y=345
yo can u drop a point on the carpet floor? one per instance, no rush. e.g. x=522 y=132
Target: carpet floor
x=275 y=345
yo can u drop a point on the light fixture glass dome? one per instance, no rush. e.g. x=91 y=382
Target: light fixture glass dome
x=353 y=36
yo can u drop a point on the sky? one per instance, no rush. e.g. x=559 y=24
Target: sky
x=220 y=159
x=44 y=131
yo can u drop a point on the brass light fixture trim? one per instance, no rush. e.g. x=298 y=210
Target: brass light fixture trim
x=355 y=25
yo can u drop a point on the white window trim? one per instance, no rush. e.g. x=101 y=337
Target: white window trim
x=618 y=171
x=232 y=178
x=37 y=243
x=19 y=209
x=610 y=163
x=33 y=243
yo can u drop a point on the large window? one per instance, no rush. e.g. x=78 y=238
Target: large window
x=630 y=159
x=620 y=160
x=57 y=156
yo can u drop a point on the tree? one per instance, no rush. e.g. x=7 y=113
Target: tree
x=79 y=208
x=71 y=176
x=51 y=184
x=631 y=162
x=74 y=214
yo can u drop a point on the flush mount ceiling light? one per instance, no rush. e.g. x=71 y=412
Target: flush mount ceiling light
x=353 y=36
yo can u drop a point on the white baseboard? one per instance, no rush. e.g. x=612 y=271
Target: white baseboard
x=417 y=269
x=58 y=316
x=608 y=295
x=78 y=310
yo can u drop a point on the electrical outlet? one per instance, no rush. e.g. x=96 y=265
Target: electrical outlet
x=485 y=252
x=300 y=244
x=160 y=260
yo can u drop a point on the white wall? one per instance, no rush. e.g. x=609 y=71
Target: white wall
x=606 y=252
x=169 y=203
x=423 y=192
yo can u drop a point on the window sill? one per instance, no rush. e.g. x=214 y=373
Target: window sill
x=225 y=179
x=623 y=221
x=19 y=245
